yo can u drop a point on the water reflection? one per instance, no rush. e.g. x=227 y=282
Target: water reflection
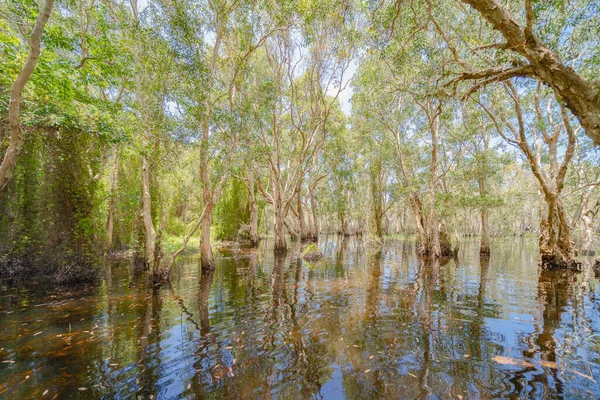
x=205 y=282
x=362 y=323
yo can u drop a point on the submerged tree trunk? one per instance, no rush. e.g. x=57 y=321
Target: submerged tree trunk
x=436 y=248
x=557 y=250
x=148 y=224
x=207 y=261
x=344 y=229
x=556 y=247
x=376 y=202
x=279 y=224
x=16 y=134
x=423 y=242
x=446 y=249
x=484 y=248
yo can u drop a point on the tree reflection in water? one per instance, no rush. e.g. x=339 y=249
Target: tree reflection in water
x=362 y=323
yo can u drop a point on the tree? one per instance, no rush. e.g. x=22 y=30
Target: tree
x=11 y=156
x=556 y=248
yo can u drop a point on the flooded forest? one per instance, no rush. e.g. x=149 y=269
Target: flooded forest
x=313 y=199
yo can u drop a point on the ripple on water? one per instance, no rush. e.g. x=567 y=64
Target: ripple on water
x=360 y=324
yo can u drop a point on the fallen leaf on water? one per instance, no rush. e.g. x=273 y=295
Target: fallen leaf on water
x=512 y=361
x=549 y=364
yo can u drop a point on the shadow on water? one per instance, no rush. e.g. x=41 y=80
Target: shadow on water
x=362 y=323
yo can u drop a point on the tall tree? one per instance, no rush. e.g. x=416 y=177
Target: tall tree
x=11 y=156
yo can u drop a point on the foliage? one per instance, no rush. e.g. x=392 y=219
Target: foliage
x=210 y=93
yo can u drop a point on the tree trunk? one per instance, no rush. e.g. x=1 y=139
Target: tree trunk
x=315 y=220
x=16 y=134
x=582 y=97
x=343 y=224
x=253 y=211
x=423 y=242
x=484 y=248
x=433 y=228
x=302 y=232
x=311 y=225
x=112 y=205
x=446 y=249
x=149 y=231
x=279 y=224
x=588 y=235
x=207 y=261
x=377 y=208
x=556 y=248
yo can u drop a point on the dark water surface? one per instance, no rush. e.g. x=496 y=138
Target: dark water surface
x=360 y=324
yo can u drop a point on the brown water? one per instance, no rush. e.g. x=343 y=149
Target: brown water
x=360 y=324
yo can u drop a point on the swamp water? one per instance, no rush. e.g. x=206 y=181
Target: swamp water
x=358 y=324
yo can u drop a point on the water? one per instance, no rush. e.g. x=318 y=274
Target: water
x=360 y=324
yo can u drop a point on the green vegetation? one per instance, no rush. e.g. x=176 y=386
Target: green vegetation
x=140 y=125
x=312 y=252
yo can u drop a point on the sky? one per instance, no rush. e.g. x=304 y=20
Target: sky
x=346 y=94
